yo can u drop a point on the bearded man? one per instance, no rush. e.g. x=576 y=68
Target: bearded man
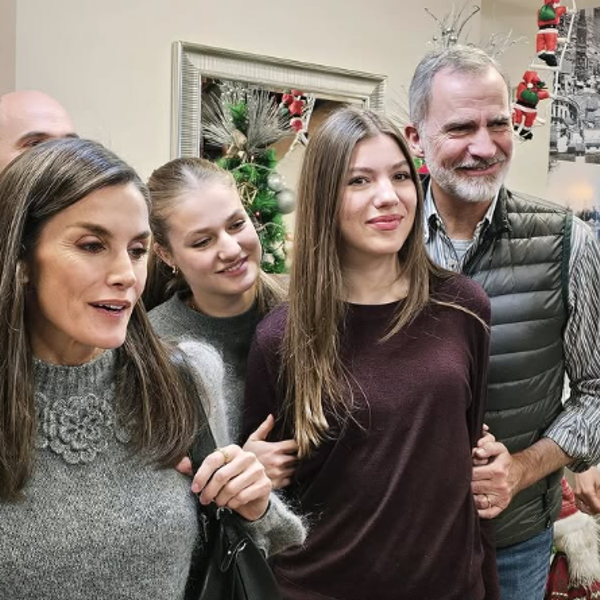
x=541 y=268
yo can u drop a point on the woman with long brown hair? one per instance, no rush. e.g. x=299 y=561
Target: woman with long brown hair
x=377 y=368
x=94 y=410
x=206 y=285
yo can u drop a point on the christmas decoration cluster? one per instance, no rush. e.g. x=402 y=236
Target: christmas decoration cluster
x=245 y=122
x=549 y=50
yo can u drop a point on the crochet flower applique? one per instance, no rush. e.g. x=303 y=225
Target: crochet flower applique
x=77 y=428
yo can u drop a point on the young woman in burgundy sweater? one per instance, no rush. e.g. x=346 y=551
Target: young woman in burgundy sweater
x=377 y=368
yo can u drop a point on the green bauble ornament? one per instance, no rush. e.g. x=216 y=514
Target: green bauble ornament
x=275 y=182
x=286 y=200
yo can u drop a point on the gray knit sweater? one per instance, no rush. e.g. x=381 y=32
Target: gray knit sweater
x=200 y=336
x=96 y=522
x=175 y=321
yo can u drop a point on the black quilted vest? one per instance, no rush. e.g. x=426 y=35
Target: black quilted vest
x=523 y=263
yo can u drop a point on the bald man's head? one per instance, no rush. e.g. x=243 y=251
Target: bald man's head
x=28 y=118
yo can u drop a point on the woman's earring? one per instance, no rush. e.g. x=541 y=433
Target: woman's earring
x=175 y=270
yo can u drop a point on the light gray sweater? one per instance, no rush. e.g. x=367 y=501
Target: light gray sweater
x=200 y=336
x=175 y=321
x=96 y=522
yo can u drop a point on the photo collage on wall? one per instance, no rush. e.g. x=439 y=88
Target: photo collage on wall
x=574 y=176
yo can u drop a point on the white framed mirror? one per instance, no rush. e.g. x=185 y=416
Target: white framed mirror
x=193 y=64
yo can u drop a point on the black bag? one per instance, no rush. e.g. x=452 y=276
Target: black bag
x=229 y=566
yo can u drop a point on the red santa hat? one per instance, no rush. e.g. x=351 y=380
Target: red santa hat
x=531 y=77
x=568 y=507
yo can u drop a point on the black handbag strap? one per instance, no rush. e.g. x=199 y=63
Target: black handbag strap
x=251 y=577
x=204 y=442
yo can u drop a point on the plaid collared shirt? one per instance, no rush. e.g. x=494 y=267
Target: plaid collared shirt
x=439 y=246
x=577 y=429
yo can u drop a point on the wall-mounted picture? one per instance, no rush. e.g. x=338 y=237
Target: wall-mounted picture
x=574 y=178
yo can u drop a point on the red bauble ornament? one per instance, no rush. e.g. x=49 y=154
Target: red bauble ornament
x=287 y=98
x=296 y=107
x=296 y=124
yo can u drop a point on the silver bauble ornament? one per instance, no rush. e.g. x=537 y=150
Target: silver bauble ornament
x=286 y=200
x=275 y=182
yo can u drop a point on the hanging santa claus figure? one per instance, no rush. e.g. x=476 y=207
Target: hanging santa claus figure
x=529 y=92
x=547 y=38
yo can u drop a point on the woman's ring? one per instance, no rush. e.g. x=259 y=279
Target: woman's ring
x=225 y=455
x=488 y=501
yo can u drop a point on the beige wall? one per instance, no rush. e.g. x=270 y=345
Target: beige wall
x=8 y=18
x=110 y=63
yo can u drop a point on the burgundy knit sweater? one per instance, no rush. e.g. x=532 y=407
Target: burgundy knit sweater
x=389 y=495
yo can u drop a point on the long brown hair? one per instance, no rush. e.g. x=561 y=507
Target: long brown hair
x=167 y=184
x=312 y=370
x=155 y=402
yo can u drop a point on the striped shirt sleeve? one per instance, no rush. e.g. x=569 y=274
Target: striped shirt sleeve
x=577 y=429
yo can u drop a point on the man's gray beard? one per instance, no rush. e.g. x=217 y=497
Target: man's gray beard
x=476 y=189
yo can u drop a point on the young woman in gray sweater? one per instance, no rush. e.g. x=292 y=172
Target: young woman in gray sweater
x=208 y=285
x=94 y=413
